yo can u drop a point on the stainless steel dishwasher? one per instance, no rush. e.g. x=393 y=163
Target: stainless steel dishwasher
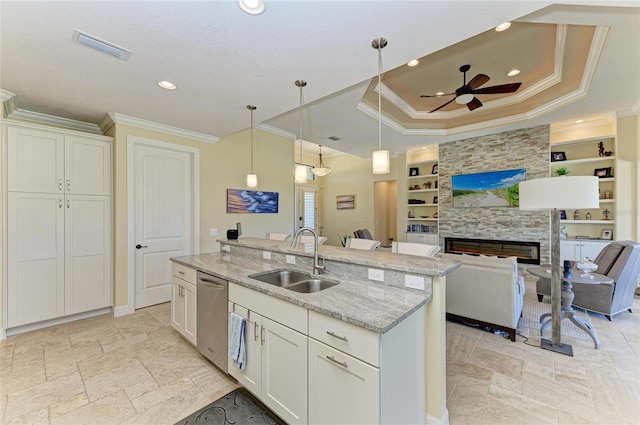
x=212 y=297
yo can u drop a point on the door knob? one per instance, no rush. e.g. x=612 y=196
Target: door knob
x=141 y=246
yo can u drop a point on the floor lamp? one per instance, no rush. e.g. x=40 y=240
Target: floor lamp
x=554 y=194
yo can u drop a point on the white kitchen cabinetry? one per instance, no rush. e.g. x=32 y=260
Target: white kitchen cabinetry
x=422 y=202
x=276 y=345
x=576 y=250
x=183 y=301
x=59 y=259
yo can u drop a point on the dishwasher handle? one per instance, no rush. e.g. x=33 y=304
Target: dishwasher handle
x=212 y=285
x=211 y=282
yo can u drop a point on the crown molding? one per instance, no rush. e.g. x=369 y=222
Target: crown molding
x=36 y=117
x=634 y=110
x=600 y=121
x=115 y=118
x=8 y=102
x=276 y=131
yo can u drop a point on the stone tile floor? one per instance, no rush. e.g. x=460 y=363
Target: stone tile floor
x=137 y=370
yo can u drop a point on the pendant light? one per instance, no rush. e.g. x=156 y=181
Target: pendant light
x=301 y=170
x=252 y=179
x=321 y=169
x=380 y=158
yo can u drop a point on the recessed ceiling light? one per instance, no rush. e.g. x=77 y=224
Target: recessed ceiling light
x=513 y=72
x=413 y=62
x=579 y=121
x=503 y=26
x=252 y=7
x=168 y=85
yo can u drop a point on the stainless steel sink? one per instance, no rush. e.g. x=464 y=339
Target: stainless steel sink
x=294 y=281
x=281 y=277
x=311 y=285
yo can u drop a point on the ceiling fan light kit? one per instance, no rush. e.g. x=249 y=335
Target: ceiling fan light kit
x=380 y=158
x=465 y=95
x=301 y=169
x=252 y=179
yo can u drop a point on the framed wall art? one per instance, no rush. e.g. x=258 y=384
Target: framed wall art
x=491 y=189
x=242 y=201
x=346 y=202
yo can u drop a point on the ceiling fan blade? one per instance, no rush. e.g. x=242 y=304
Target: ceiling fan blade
x=437 y=95
x=475 y=103
x=477 y=81
x=443 y=105
x=503 y=88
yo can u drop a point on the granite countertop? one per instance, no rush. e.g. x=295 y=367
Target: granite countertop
x=375 y=258
x=368 y=305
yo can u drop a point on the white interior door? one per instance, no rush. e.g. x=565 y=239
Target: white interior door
x=163 y=217
x=307 y=206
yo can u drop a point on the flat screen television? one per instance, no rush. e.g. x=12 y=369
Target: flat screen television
x=491 y=189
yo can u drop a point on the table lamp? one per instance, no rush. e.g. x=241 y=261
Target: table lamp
x=554 y=194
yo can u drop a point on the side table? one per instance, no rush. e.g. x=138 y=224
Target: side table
x=566 y=298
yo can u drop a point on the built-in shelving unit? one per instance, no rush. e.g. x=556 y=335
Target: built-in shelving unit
x=584 y=158
x=422 y=202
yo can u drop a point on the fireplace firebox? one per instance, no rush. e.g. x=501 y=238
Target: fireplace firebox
x=525 y=252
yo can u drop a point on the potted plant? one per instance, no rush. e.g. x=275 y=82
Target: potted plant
x=562 y=171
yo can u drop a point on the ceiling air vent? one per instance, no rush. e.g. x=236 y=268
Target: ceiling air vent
x=334 y=138
x=100 y=45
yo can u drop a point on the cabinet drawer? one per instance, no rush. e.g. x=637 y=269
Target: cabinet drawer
x=360 y=343
x=183 y=272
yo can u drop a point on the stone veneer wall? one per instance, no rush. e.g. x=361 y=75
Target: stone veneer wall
x=526 y=148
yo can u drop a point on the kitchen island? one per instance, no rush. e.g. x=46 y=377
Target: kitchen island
x=388 y=320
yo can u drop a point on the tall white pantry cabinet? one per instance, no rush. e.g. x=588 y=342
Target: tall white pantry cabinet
x=59 y=220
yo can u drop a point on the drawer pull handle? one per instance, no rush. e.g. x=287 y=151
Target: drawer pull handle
x=343 y=338
x=343 y=364
x=261 y=335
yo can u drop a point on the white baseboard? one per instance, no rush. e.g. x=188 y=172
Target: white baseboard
x=3 y=334
x=58 y=321
x=442 y=421
x=123 y=310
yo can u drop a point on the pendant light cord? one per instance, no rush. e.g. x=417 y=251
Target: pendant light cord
x=379 y=95
x=252 y=141
x=301 y=103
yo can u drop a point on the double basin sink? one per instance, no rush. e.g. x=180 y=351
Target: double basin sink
x=294 y=281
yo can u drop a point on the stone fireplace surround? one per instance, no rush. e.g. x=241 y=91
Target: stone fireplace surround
x=526 y=148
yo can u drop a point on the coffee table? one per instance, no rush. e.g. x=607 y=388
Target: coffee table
x=566 y=298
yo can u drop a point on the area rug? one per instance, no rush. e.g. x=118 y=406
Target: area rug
x=238 y=407
x=533 y=309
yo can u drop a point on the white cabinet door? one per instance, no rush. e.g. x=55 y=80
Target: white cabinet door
x=342 y=389
x=251 y=376
x=190 y=309
x=177 y=304
x=591 y=249
x=284 y=372
x=569 y=250
x=87 y=166
x=35 y=160
x=87 y=252
x=35 y=267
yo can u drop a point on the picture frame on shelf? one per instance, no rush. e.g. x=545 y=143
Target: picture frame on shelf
x=558 y=156
x=602 y=172
x=435 y=199
x=607 y=234
x=563 y=214
x=414 y=171
x=434 y=169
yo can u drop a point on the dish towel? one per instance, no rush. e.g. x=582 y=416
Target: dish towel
x=237 y=349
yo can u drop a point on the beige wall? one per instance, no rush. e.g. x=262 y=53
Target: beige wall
x=223 y=166
x=350 y=175
x=627 y=178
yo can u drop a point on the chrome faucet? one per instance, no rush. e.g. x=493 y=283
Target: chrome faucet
x=318 y=266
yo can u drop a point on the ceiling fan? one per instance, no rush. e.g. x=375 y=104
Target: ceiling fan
x=466 y=93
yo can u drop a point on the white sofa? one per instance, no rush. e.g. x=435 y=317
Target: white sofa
x=487 y=291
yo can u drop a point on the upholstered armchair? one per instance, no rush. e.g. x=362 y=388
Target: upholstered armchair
x=620 y=261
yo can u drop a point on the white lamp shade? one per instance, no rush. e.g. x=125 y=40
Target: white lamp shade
x=380 y=162
x=301 y=174
x=252 y=181
x=559 y=193
x=321 y=172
